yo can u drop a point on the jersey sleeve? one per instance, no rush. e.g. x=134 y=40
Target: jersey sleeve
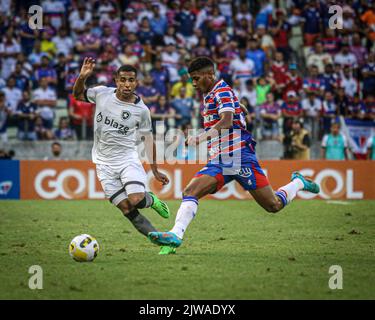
x=145 y=124
x=225 y=101
x=92 y=93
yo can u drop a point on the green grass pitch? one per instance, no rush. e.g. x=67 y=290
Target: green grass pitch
x=233 y=250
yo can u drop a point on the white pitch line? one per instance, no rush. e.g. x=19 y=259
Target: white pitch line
x=344 y=203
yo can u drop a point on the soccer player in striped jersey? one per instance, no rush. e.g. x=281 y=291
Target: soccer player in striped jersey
x=232 y=157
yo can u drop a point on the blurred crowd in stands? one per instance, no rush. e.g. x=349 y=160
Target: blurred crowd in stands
x=294 y=72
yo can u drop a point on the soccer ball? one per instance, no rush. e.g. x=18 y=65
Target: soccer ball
x=84 y=248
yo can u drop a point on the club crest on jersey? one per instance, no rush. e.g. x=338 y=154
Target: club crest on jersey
x=99 y=117
x=125 y=115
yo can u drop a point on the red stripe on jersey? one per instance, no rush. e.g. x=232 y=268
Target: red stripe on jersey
x=229 y=149
x=224 y=89
x=234 y=147
x=211 y=123
x=226 y=99
x=231 y=136
x=215 y=111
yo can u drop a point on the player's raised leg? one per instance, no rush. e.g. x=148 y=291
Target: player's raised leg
x=274 y=201
x=198 y=187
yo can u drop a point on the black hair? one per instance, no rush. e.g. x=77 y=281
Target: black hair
x=55 y=143
x=200 y=63
x=300 y=122
x=126 y=68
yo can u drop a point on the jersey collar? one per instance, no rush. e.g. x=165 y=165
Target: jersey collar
x=214 y=88
x=137 y=98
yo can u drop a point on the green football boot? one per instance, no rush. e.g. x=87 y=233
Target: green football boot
x=308 y=185
x=167 y=250
x=160 y=206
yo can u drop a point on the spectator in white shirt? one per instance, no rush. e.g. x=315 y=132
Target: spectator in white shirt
x=170 y=58
x=79 y=18
x=319 y=58
x=55 y=9
x=130 y=21
x=45 y=98
x=249 y=93
x=13 y=95
x=346 y=58
x=348 y=82
x=146 y=13
x=9 y=48
x=312 y=106
x=244 y=13
x=64 y=44
x=242 y=68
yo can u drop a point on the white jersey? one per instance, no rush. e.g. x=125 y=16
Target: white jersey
x=117 y=126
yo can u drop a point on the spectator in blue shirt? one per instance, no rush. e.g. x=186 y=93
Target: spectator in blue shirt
x=162 y=112
x=185 y=21
x=160 y=77
x=368 y=72
x=183 y=107
x=145 y=33
x=312 y=23
x=147 y=91
x=329 y=78
x=46 y=71
x=258 y=56
x=64 y=132
x=27 y=36
x=158 y=23
x=22 y=81
x=26 y=116
x=36 y=55
x=264 y=14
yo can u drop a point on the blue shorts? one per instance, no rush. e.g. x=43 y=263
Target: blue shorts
x=250 y=176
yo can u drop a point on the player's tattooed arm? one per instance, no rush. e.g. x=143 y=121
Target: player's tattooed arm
x=79 y=86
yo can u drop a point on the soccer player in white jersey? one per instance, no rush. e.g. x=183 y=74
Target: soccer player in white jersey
x=121 y=121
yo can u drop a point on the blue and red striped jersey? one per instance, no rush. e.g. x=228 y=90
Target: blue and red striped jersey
x=221 y=99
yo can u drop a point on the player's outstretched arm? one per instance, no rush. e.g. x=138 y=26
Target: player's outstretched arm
x=79 y=86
